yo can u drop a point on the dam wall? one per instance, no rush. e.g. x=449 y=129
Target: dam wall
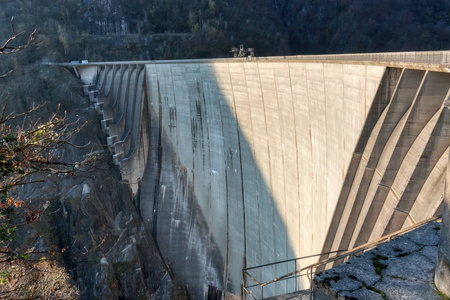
x=239 y=163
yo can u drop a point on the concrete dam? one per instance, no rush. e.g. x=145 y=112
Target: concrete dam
x=242 y=162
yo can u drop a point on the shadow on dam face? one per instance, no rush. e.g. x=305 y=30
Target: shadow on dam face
x=202 y=194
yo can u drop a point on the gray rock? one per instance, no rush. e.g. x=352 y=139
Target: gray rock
x=426 y=235
x=396 y=288
x=429 y=252
x=409 y=262
x=361 y=294
x=413 y=265
x=398 y=246
x=360 y=267
x=346 y=284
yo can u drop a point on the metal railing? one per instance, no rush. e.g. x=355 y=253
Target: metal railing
x=436 y=58
x=295 y=275
x=440 y=59
x=428 y=57
x=256 y=290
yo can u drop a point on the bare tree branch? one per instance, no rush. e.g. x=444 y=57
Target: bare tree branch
x=7 y=74
x=5 y=118
x=7 y=48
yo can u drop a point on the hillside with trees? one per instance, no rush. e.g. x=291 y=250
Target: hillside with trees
x=166 y=29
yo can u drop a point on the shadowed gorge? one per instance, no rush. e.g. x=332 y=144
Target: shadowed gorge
x=240 y=163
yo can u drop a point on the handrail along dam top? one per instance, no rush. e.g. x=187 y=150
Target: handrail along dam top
x=422 y=60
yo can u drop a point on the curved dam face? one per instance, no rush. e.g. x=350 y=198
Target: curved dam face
x=237 y=164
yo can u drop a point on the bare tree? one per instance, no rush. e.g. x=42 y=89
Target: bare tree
x=9 y=47
x=27 y=152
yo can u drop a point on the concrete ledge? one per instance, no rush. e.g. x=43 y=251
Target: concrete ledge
x=426 y=60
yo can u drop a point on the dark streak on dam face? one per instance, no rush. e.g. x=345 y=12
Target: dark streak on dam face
x=238 y=164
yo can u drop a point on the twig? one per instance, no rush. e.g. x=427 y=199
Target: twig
x=8 y=49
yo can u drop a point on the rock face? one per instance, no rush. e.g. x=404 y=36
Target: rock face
x=442 y=275
x=92 y=216
x=400 y=269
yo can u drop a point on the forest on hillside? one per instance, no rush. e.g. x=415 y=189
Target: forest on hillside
x=106 y=30
x=156 y=29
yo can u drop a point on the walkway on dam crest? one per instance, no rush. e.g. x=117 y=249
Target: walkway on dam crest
x=428 y=60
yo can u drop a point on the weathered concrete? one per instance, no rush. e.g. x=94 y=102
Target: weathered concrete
x=238 y=163
x=442 y=275
x=400 y=269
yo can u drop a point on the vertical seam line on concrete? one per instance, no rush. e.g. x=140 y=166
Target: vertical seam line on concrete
x=254 y=158
x=262 y=176
x=310 y=132
x=344 y=205
x=208 y=140
x=193 y=187
x=271 y=200
x=218 y=99
x=277 y=210
x=283 y=152
x=296 y=156
x=240 y=162
x=326 y=133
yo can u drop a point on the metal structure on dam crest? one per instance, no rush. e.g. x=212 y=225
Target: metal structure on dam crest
x=237 y=163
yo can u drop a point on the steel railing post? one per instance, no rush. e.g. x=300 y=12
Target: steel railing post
x=311 y=284
x=295 y=276
x=243 y=284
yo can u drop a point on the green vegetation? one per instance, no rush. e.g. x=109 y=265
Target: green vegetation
x=377 y=291
x=379 y=266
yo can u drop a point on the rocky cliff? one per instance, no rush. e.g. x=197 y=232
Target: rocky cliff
x=92 y=216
